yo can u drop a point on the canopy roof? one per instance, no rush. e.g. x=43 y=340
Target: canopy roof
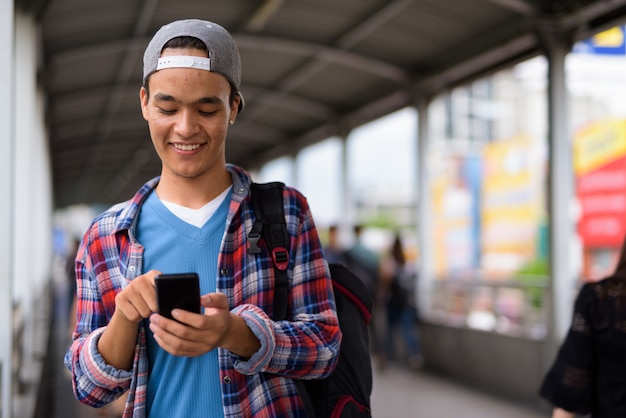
x=311 y=70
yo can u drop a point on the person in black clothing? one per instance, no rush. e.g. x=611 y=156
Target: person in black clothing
x=398 y=286
x=588 y=375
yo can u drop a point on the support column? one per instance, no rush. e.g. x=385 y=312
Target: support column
x=423 y=205
x=347 y=202
x=560 y=189
x=7 y=38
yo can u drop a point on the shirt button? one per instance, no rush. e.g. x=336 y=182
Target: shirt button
x=223 y=272
x=226 y=379
x=131 y=268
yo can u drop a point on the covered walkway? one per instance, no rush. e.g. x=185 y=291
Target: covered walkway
x=70 y=125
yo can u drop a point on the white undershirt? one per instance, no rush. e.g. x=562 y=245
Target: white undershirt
x=197 y=217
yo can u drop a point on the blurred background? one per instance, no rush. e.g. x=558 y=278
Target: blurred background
x=491 y=135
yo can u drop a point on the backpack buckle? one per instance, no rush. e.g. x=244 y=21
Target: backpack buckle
x=253 y=240
x=281 y=258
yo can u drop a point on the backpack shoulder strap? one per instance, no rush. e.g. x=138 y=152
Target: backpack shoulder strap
x=267 y=203
x=269 y=211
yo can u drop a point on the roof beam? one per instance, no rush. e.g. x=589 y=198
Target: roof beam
x=587 y=20
x=478 y=63
x=264 y=13
x=372 y=23
x=324 y=53
x=522 y=7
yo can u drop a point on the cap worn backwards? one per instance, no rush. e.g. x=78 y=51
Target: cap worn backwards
x=223 y=53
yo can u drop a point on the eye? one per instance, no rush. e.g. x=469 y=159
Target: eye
x=166 y=111
x=205 y=113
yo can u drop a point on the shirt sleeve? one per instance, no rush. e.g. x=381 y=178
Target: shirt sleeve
x=94 y=382
x=567 y=384
x=261 y=326
x=304 y=345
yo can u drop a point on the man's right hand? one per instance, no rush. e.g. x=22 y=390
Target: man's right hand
x=134 y=303
x=137 y=300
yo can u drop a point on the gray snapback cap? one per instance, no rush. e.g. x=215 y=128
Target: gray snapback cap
x=223 y=53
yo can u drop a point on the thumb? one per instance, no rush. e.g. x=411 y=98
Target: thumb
x=214 y=300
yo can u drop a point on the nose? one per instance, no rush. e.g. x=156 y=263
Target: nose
x=187 y=123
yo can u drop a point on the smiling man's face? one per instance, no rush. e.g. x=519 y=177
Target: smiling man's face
x=188 y=113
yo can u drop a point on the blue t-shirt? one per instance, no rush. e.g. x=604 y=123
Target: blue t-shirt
x=181 y=386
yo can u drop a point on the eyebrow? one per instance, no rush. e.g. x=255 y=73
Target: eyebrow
x=204 y=100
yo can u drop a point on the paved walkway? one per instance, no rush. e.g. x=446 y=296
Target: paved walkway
x=401 y=393
x=397 y=393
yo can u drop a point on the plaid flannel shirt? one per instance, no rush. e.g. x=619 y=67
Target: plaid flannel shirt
x=304 y=347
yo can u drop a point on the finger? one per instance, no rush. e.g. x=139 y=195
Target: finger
x=181 y=349
x=214 y=300
x=138 y=299
x=172 y=345
x=131 y=303
x=177 y=328
x=150 y=294
x=191 y=319
x=151 y=276
x=145 y=286
x=176 y=338
x=127 y=309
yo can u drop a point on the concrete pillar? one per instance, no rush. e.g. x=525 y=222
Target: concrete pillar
x=7 y=76
x=347 y=207
x=562 y=287
x=423 y=205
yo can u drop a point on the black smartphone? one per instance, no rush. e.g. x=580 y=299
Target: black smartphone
x=177 y=291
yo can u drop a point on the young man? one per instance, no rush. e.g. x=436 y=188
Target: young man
x=231 y=360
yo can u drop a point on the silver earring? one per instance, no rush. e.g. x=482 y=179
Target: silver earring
x=230 y=122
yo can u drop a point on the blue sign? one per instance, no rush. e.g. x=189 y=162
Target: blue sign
x=609 y=42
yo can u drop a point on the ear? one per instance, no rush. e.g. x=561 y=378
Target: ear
x=143 y=98
x=234 y=108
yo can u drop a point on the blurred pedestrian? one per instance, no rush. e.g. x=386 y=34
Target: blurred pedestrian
x=398 y=289
x=363 y=261
x=588 y=375
x=365 y=264
x=333 y=251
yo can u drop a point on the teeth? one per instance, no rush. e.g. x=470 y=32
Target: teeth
x=186 y=147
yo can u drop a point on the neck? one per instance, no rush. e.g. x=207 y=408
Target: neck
x=195 y=192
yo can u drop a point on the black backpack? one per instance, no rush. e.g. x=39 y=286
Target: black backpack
x=346 y=392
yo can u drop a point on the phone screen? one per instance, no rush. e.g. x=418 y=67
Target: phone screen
x=177 y=291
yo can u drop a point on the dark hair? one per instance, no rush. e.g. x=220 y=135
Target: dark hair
x=186 y=42
x=181 y=42
x=621 y=261
x=397 y=250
